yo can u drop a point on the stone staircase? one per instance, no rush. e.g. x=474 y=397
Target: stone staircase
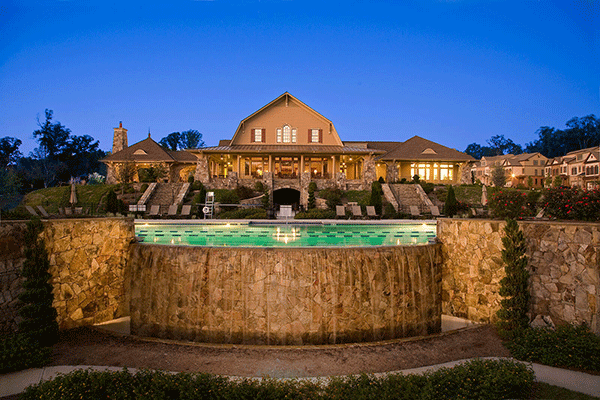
x=166 y=194
x=407 y=195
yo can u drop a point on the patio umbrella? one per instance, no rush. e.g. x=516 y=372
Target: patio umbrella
x=73 y=198
x=484 y=199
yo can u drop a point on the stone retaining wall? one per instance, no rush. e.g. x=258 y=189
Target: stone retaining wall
x=564 y=262
x=285 y=296
x=88 y=260
x=11 y=262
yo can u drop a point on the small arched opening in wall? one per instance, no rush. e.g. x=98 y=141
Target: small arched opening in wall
x=286 y=196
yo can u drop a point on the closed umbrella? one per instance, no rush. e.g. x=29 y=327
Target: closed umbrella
x=484 y=199
x=73 y=198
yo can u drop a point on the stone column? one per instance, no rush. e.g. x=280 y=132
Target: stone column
x=369 y=174
x=304 y=182
x=201 y=174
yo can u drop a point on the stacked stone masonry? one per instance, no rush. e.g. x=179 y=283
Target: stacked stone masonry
x=563 y=264
x=285 y=296
x=11 y=262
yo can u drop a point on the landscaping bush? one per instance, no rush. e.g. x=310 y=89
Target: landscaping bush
x=312 y=203
x=226 y=196
x=427 y=187
x=514 y=287
x=196 y=185
x=509 y=203
x=450 y=207
x=19 y=351
x=39 y=316
x=572 y=203
x=472 y=380
x=244 y=213
x=376 y=197
x=316 y=213
x=568 y=346
x=361 y=197
x=244 y=192
x=143 y=187
x=332 y=197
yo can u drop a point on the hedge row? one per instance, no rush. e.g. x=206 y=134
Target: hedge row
x=476 y=379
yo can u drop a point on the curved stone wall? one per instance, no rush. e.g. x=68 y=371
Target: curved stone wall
x=285 y=296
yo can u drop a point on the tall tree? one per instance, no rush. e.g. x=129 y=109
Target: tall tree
x=9 y=151
x=52 y=137
x=498 y=176
x=171 y=141
x=191 y=139
x=501 y=145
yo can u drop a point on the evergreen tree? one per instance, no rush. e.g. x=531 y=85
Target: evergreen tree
x=451 y=206
x=514 y=286
x=39 y=316
x=376 y=200
x=112 y=203
x=312 y=203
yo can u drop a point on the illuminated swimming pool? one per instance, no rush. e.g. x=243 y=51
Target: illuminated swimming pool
x=296 y=234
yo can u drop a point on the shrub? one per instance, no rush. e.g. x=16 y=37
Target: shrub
x=450 y=207
x=312 y=187
x=244 y=213
x=19 y=351
x=509 y=203
x=376 y=200
x=332 y=197
x=514 y=287
x=196 y=185
x=259 y=187
x=568 y=346
x=143 y=187
x=226 y=196
x=39 y=317
x=112 y=203
x=316 y=213
x=427 y=187
x=489 y=379
x=244 y=192
x=572 y=203
x=190 y=179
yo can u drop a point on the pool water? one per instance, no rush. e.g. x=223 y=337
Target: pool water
x=269 y=234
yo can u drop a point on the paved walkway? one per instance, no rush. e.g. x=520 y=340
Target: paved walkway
x=16 y=382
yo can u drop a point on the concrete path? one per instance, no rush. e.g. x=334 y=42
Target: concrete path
x=14 y=383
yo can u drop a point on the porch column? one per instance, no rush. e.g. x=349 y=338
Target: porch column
x=301 y=164
x=239 y=170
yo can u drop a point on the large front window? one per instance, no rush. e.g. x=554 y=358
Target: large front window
x=432 y=172
x=286 y=167
x=317 y=166
x=286 y=134
x=256 y=166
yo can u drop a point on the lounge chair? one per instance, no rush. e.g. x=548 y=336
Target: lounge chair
x=172 y=210
x=31 y=211
x=43 y=211
x=414 y=211
x=154 y=210
x=186 y=210
x=371 y=213
x=78 y=210
x=340 y=212
x=540 y=215
x=68 y=211
x=356 y=212
x=435 y=211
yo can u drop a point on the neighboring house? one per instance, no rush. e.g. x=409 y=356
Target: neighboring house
x=285 y=145
x=517 y=168
x=577 y=168
x=133 y=160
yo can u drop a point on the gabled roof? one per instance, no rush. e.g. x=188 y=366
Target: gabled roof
x=417 y=148
x=149 y=151
x=287 y=97
x=386 y=146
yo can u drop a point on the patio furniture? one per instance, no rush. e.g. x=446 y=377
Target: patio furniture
x=78 y=210
x=285 y=212
x=340 y=212
x=43 y=212
x=31 y=211
x=357 y=212
x=186 y=210
x=154 y=210
x=172 y=210
x=371 y=213
x=68 y=211
x=414 y=211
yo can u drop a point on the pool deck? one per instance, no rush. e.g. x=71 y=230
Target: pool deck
x=285 y=222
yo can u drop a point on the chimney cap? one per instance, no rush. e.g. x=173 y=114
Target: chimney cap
x=120 y=124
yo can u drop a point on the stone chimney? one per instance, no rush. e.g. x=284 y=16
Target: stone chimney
x=120 y=139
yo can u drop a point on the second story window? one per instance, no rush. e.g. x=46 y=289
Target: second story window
x=258 y=135
x=287 y=133
x=315 y=135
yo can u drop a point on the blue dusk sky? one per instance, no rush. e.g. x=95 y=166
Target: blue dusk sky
x=451 y=71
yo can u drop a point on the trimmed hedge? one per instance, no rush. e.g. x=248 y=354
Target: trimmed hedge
x=316 y=213
x=19 y=351
x=568 y=346
x=472 y=380
x=244 y=213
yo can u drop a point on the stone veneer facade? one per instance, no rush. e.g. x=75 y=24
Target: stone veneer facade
x=91 y=260
x=285 y=296
x=564 y=260
x=88 y=264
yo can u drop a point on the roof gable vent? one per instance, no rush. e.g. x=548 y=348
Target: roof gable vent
x=428 y=150
x=140 y=152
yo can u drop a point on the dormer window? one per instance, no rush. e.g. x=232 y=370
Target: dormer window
x=140 y=152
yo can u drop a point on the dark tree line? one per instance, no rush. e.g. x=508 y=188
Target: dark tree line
x=190 y=139
x=580 y=133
